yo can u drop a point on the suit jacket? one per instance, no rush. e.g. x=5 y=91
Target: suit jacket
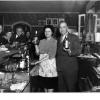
x=65 y=61
x=20 y=39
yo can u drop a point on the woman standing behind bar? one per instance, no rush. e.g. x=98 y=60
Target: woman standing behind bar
x=47 y=49
x=67 y=64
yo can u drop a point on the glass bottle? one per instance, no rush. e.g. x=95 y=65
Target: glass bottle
x=66 y=43
x=35 y=39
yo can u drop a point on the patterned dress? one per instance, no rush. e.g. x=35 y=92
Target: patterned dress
x=48 y=50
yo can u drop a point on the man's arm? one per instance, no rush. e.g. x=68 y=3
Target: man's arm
x=75 y=46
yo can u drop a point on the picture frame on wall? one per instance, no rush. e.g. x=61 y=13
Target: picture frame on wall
x=48 y=21
x=55 y=21
x=61 y=19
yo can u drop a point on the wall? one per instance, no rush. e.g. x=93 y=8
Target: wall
x=32 y=18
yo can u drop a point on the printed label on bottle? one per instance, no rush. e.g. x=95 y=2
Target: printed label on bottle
x=66 y=44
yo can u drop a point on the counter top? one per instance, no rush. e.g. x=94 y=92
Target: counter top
x=87 y=56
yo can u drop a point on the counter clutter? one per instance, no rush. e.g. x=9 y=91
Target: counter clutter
x=12 y=79
x=89 y=72
x=18 y=84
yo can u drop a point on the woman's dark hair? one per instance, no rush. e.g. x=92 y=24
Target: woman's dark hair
x=52 y=29
x=49 y=26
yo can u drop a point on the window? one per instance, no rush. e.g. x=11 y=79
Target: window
x=81 y=24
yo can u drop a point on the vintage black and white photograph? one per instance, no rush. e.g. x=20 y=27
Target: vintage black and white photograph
x=49 y=46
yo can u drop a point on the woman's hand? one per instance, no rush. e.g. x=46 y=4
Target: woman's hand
x=35 y=41
x=68 y=50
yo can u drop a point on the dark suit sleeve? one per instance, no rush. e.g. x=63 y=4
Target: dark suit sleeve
x=75 y=46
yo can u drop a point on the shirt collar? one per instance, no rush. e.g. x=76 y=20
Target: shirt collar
x=63 y=37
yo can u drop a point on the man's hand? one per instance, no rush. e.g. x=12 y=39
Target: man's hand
x=68 y=50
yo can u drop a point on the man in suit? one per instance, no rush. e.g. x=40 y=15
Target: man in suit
x=19 y=37
x=67 y=65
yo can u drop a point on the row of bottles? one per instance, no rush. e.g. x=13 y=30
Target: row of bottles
x=24 y=57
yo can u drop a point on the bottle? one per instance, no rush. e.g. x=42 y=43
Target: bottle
x=35 y=40
x=22 y=61
x=66 y=43
x=22 y=64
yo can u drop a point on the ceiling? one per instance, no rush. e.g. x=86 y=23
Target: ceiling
x=43 y=6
